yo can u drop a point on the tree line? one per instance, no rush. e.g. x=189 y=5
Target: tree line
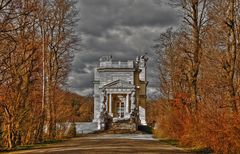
x=199 y=73
x=37 y=44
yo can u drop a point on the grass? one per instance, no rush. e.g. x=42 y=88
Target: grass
x=176 y=143
x=201 y=150
x=31 y=146
x=170 y=142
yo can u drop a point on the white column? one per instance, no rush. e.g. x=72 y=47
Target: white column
x=133 y=103
x=106 y=102
x=120 y=110
x=127 y=103
x=110 y=104
x=101 y=102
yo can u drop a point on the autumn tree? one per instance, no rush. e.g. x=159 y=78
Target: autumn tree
x=199 y=71
x=226 y=19
x=194 y=15
x=19 y=66
x=37 y=44
x=62 y=42
x=58 y=19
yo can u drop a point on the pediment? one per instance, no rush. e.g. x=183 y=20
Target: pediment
x=118 y=84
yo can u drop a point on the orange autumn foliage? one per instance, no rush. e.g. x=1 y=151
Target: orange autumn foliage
x=199 y=77
x=215 y=129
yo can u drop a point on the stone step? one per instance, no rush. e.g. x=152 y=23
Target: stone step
x=123 y=127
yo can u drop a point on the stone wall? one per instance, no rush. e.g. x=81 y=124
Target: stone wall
x=81 y=127
x=86 y=127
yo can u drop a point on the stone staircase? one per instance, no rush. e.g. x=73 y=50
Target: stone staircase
x=121 y=127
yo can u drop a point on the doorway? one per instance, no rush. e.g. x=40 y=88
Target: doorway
x=120 y=109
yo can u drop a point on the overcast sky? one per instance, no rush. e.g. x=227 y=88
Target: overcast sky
x=121 y=28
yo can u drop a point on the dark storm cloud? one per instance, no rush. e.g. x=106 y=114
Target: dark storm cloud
x=121 y=28
x=85 y=78
x=148 y=13
x=101 y=15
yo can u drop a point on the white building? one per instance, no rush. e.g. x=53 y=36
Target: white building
x=120 y=90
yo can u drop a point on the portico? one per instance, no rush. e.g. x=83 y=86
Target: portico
x=119 y=99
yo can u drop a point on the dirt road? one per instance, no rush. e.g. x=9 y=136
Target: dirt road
x=127 y=143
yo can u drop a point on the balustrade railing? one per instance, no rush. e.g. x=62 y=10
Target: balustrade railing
x=119 y=64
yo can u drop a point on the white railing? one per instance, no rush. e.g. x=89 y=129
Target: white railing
x=119 y=64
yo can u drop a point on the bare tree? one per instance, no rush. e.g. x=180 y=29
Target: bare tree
x=37 y=44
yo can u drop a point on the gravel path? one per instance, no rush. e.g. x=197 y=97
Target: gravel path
x=109 y=143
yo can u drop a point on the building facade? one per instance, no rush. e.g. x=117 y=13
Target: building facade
x=120 y=89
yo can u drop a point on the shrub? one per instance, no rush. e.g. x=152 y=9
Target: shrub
x=209 y=127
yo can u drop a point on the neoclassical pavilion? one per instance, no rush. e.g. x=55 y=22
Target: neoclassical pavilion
x=119 y=98
x=120 y=89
